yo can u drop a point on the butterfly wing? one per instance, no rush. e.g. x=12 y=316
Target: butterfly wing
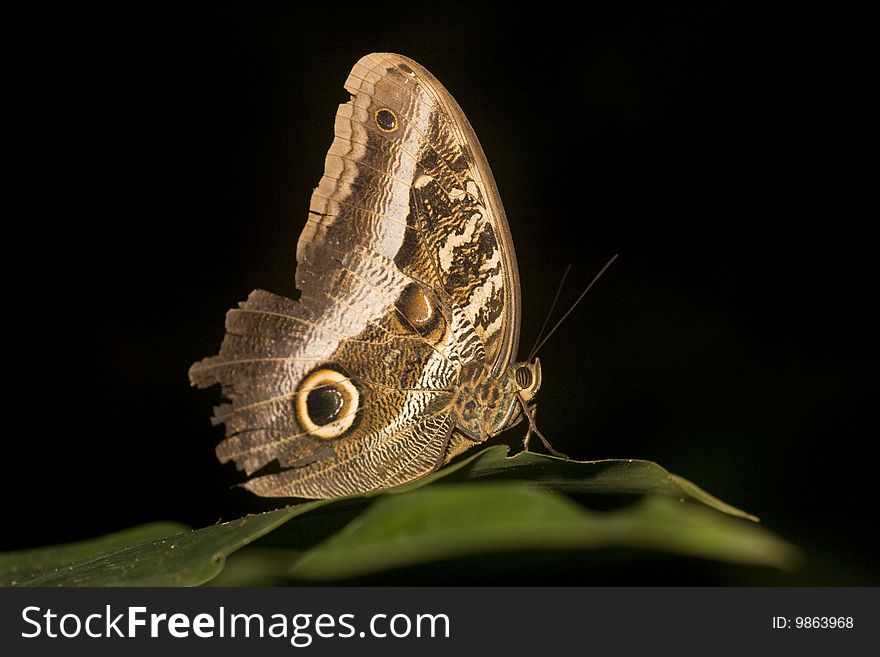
x=406 y=271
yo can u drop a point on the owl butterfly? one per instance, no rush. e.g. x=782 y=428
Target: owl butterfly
x=400 y=352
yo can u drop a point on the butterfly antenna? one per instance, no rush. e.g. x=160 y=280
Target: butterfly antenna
x=549 y=313
x=573 y=306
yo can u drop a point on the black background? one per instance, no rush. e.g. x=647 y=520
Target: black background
x=162 y=162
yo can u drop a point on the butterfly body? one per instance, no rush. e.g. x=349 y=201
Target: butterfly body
x=399 y=352
x=486 y=406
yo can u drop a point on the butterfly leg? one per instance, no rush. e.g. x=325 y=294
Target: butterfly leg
x=530 y=412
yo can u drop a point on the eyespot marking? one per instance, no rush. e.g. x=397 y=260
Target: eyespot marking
x=420 y=310
x=327 y=402
x=386 y=119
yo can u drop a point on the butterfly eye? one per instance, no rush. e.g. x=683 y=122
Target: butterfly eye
x=386 y=119
x=523 y=376
x=528 y=379
x=327 y=403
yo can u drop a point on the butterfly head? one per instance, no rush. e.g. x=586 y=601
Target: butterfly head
x=524 y=380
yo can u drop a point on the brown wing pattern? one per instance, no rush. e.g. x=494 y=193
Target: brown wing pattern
x=406 y=273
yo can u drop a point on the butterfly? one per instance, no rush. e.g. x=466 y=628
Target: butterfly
x=400 y=352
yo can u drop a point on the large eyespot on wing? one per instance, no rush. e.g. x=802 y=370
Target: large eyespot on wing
x=327 y=402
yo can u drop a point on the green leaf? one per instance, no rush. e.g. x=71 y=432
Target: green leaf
x=23 y=565
x=486 y=503
x=182 y=559
x=441 y=522
x=610 y=476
